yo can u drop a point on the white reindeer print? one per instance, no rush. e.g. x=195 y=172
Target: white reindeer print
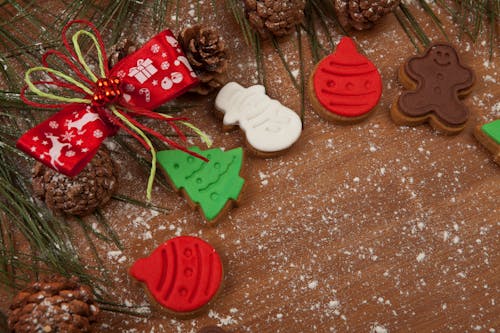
x=55 y=150
x=88 y=117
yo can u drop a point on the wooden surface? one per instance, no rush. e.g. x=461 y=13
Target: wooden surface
x=359 y=228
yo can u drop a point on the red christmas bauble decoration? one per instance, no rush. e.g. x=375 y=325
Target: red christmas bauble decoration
x=347 y=83
x=183 y=274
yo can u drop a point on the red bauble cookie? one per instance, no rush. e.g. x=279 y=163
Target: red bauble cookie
x=345 y=86
x=183 y=274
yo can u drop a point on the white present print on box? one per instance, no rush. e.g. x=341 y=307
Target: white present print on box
x=143 y=71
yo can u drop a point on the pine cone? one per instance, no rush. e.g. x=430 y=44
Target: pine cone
x=79 y=195
x=120 y=50
x=55 y=304
x=206 y=52
x=274 y=17
x=362 y=14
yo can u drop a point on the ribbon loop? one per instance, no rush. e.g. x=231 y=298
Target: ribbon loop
x=101 y=54
x=33 y=87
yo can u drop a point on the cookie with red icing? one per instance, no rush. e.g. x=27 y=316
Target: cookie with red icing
x=183 y=275
x=345 y=86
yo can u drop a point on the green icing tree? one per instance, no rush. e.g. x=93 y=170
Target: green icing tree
x=209 y=184
x=493 y=130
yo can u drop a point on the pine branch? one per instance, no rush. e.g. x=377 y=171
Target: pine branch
x=424 y=39
x=234 y=6
x=278 y=50
x=428 y=10
x=406 y=29
x=302 y=75
x=471 y=19
x=112 y=234
x=139 y=203
x=261 y=75
x=160 y=8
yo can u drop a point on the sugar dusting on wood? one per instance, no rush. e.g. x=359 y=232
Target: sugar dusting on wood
x=364 y=228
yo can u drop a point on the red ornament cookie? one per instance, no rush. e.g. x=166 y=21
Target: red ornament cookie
x=345 y=86
x=183 y=275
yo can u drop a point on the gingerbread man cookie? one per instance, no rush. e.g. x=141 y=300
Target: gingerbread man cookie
x=435 y=81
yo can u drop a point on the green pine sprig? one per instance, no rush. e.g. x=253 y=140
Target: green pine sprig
x=32 y=240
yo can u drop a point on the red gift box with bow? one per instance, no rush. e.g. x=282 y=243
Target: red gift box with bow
x=105 y=100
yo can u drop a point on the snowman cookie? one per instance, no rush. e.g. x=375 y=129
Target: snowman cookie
x=183 y=275
x=345 y=86
x=270 y=128
x=436 y=81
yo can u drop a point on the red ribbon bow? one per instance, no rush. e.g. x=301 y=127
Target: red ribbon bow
x=142 y=81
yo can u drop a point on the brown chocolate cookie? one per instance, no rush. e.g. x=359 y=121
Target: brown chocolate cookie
x=436 y=81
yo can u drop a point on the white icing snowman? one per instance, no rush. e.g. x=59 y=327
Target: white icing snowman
x=268 y=125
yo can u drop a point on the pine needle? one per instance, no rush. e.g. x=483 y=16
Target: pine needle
x=278 y=50
x=139 y=203
x=259 y=58
x=137 y=310
x=86 y=233
x=415 y=25
x=142 y=162
x=406 y=29
x=428 y=10
x=160 y=8
x=112 y=234
x=302 y=76
x=249 y=35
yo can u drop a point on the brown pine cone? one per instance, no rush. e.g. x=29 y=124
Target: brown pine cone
x=54 y=304
x=119 y=51
x=79 y=195
x=362 y=14
x=206 y=52
x=274 y=17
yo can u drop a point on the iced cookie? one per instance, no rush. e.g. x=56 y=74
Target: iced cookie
x=435 y=81
x=489 y=136
x=214 y=186
x=183 y=275
x=270 y=128
x=345 y=86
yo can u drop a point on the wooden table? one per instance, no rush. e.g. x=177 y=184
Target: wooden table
x=360 y=228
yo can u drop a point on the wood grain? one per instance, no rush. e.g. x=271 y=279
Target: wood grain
x=359 y=228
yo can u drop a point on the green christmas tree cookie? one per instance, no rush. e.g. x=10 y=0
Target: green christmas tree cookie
x=212 y=186
x=489 y=135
